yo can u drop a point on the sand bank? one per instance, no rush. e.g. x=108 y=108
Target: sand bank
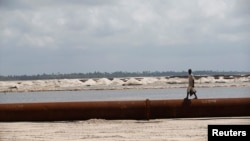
x=122 y=83
x=179 y=129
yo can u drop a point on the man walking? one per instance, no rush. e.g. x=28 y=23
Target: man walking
x=190 y=89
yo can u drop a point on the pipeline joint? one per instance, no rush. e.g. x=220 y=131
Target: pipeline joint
x=147 y=109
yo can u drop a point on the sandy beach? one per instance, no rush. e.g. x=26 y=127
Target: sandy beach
x=179 y=129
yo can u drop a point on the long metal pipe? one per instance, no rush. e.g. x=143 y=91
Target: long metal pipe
x=145 y=109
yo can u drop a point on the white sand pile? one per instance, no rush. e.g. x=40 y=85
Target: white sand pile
x=182 y=129
x=103 y=81
x=117 y=82
x=122 y=83
x=133 y=81
x=89 y=82
x=150 y=80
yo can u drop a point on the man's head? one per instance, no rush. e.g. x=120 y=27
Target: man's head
x=189 y=71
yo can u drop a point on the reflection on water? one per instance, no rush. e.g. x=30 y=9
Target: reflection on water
x=132 y=94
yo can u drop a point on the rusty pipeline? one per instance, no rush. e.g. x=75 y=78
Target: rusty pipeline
x=140 y=110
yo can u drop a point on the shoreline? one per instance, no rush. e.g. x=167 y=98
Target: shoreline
x=121 y=83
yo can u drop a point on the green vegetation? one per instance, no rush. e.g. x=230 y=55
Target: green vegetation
x=115 y=74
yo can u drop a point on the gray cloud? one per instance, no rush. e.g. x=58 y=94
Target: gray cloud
x=123 y=35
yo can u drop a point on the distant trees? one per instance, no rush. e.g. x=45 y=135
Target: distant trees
x=115 y=74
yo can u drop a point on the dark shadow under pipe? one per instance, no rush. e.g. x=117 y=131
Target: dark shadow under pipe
x=139 y=110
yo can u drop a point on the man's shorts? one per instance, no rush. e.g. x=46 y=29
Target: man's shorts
x=191 y=90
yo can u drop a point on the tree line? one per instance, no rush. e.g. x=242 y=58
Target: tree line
x=116 y=74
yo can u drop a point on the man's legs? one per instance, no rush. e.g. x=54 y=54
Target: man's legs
x=188 y=92
x=195 y=96
x=191 y=91
x=187 y=95
x=194 y=92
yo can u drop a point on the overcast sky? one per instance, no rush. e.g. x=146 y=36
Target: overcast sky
x=79 y=36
